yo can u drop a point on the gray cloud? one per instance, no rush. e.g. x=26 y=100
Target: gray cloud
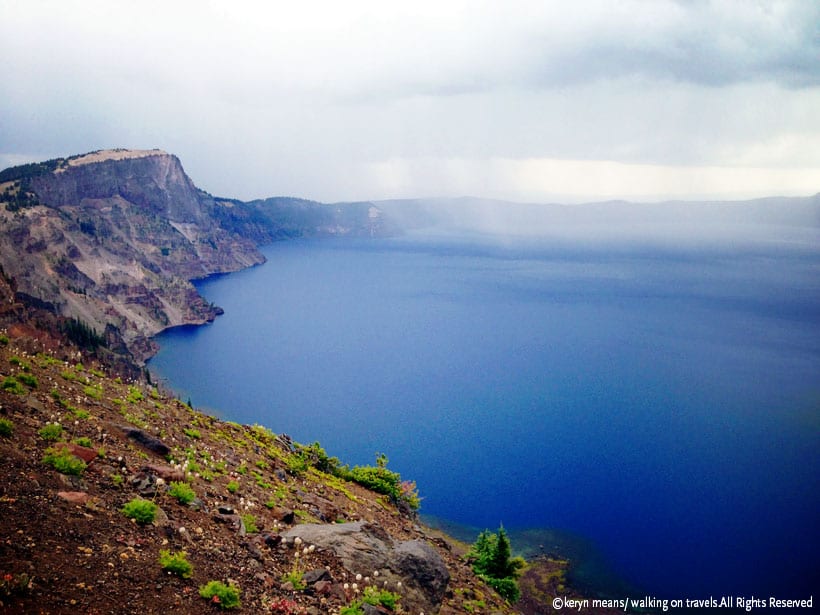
x=365 y=99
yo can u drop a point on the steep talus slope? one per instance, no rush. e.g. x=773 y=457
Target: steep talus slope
x=259 y=514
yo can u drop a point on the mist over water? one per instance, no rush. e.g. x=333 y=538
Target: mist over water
x=661 y=402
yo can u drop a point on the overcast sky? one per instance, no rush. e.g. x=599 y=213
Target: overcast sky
x=524 y=100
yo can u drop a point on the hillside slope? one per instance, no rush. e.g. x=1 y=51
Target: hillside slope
x=66 y=545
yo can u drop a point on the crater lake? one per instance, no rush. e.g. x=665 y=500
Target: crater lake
x=661 y=403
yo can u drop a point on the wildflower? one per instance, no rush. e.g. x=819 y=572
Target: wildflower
x=375 y=573
x=358 y=577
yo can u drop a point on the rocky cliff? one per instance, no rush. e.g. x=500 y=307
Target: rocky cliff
x=113 y=238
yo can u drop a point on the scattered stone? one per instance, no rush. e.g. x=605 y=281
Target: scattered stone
x=225 y=510
x=35 y=404
x=163 y=471
x=145 y=484
x=314 y=576
x=319 y=507
x=80 y=498
x=283 y=515
x=81 y=452
x=147 y=441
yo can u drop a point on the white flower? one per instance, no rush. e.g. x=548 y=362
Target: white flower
x=297 y=541
x=375 y=573
x=358 y=577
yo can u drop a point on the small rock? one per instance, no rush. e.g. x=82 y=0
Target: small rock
x=80 y=498
x=165 y=472
x=312 y=576
x=225 y=510
x=35 y=404
x=81 y=452
x=155 y=445
x=145 y=484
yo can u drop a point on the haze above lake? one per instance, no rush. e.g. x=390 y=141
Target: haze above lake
x=659 y=398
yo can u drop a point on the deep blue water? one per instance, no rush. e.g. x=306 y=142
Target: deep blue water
x=662 y=403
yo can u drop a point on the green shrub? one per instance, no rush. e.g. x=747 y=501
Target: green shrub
x=297 y=464
x=4 y=340
x=233 y=486
x=380 y=597
x=18 y=362
x=250 y=524
x=295 y=578
x=182 y=492
x=64 y=462
x=142 y=511
x=28 y=379
x=372 y=596
x=11 y=385
x=6 y=427
x=52 y=431
x=226 y=596
x=176 y=563
x=384 y=481
x=94 y=392
x=84 y=441
x=192 y=433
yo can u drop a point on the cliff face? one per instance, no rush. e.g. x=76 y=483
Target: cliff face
x=114 y=239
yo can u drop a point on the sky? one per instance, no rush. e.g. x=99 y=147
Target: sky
x=525 y=100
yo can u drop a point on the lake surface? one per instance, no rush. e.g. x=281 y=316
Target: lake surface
x=662 y=403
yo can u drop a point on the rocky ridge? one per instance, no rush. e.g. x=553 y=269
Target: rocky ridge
x=114 y=238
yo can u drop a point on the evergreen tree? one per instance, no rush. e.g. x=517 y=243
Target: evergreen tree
x=492 y=561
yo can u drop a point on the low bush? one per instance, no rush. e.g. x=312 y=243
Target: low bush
x=6 y=427
x=27 y=379
x=52 y=431
x=182 y=492
x=142 y=511
x=226 y=596
x=250 y=524
x=11 y=384
x=176 y=563
x=64 y=462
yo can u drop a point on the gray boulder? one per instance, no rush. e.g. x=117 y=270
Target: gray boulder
x=364 y=549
